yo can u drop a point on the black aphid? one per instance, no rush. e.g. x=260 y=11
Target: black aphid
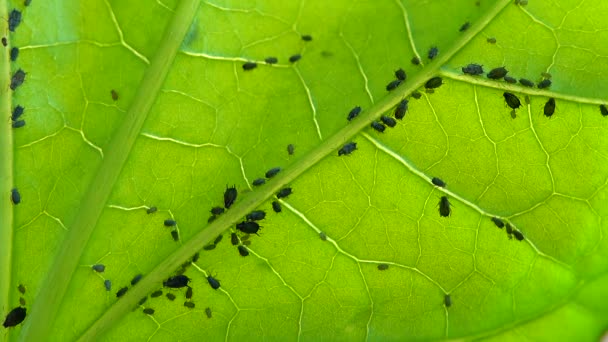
x=433 y=52
x=151 y=210
x=18 y=123
x=189 y=305
x=497 y=73
x=390 y=122
x=284 y=192
x=14 y=53
x=170 y=296
x=290 y=149
x=271 y=60
x=108 y=284
x=175 y=235
x=382 y=267
x=465 y=26
x=229 y=196
x=98 y=268
x=217 y=210
x=208 y=312
x=491 y=40
x=243 y=251
x=401 y=75
x=473 y=69
x=234 y=239
x=509 y=230
x=189 y=293
x=603 y=110
x=149 y=311
x=250 y=66
x=259 y=181
x=549 y=107
x=272 y=172
x=177 y=281
x=169 y=223
x=195 y=257
x=447 y=300
x=323 y=236
x=209 y=247
x=546 y=83
x=353 y=113
x=510 y=79
x=306 y=37
x=17 y=79
x=218 y=239
x=14 y=317
x=136 y=279
x=433 y=83
x=348 y=148
x=295 y=58
x=156 y=293
x=526 y=82
x=512 y=100
x=14 y=19
x=214 y=283
x=416 y=95
x=256 y=215
x=114 y=95
x=15 y=196
x=498 y=222
x=276 y=206
x=438 y=182
x=444 y=207
x=392 y=85
x=249 y=227
x=415 y=60
x=518 y=235
x=401 y=109
x=142 y=301
x=211 y=218
x=4 y=41
x=378 y=126
x=27 y=2
x=121 y=292
x=21 y=288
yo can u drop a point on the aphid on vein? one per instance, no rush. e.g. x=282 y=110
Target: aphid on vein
x=382 y=267
x=256 y=215
x=276 y=206
x=401 y=109
x=98 y=268
x=142 y=301
x=14 y=53
x=21 y=288
x=290 y=149
x=189 y=305
x=497 y=73
x=433 y=83
x=177 y=282
x=306 y=37
x=121 y=292
x=447 y=300
x=249 y=227
x=498 y=222
x=157 y=293
x=510 y=79
x=208 y=312
x=323 y=236
x=218 y=239
x=175 y=235
x=234 y=239
x=151 y=210
x=149 y=311
x=295 y=58
x=509 y=230
x=512 y=100
x=214 y=283
x=491 y=40
x=211 y=218
x=433 y=52
x=209 y=247
x=378 y=126
x=195 y=257
x=465 y=26
x=546 y=83
x=353 y=113
x=17 y=79
x=284 y=192
x=392 y=85
x=18 y=123
x=526 y=82
x=272 y=172
x=438 y=182
x=136 y=279
x=170 y=296
x=15 y=196
x=444 y=207
x=259 y=181
x=415 y=60
x=229 y=196
x=603 y=110
x=114 y=95
x=14 y=19
x=107 y=284
x=14 y=317
x=549 y=107
x=4 y=42
x=390 y=122
x=217 y=210
x=513 y=114
x=416 y=95
x=348 y=148
x=518 y=235
x=249 y=66
x=189 y=293
x=169 y=223
x=473 y=69
x=271 y=60
x=243 y=251
x=401 y=75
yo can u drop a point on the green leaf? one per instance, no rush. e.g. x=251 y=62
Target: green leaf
x=189 y=121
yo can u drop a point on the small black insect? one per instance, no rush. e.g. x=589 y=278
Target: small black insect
x=250 y=66
x=415 y=60
x=473 y=69
x=151 y=210
x=512 y=100
x=447 y=300
x=390 y=122
x=234 y=239
x=114 y=95
x=208 y=312
x=175 y=235
x=256 y=215
x=211 y=218
x=401 y=75
x=217 y=210
x=348 y=148
x=121 y=292
x=518 y=235
x=21 y=288
x=465 y=26
x=18 y=123
x=170 y=296
x=27 y=2
x=401 y=109
x=491 y=40
x=498 y=222
x=526 y=82
x=14 y=53
x=546 y=83
x=249 y=227
x=21 y=301
x=214 y=283
x=497 y=73
x=243 y=251
x=108 y=284
x=177 y=281
x=189 y=305
x=218 y=239
x=229 y=196
x=169 y=223
x=14 y=317
x=157 y=293
x=444 y=207
x=276 y=206
x=149 y=311
x=142 y=301
x=271 y=60
x=382 y=267
x=284 y=192
x=378 y=126
x=392 y=85
x=509 y=230
x=295 y=58
x=98 y=268
x=136 y=279
x=259 y=181
x=14 y=19
x=416 y=95
x=17 y=79
x=323 y=236
x=510 y=79
x=15 y=196
x=209 y=247
x=306 y=37
x=290 y=149
x=272 y=172
x=195 y=257
x=549 y=107
x=438 y=182
x=603 y=110
x=4 y=41
x=433 y=52
x=433 y=83
x=189 y=293
x=353 y=113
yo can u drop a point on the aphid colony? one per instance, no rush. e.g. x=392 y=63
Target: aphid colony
x=247 y=66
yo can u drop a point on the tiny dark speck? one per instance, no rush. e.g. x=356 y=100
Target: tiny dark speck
x=465 y=26
x=249 y=66
x=295 y=58
x=18 y=123
x=14 y=53
x=382 y=267
x=271 y=60
x=447 y=300
x=136 y=279
x=306 y=37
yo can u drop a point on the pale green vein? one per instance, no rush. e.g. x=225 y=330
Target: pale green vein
x=39 y=323
x=410 y=37
x=122 y=38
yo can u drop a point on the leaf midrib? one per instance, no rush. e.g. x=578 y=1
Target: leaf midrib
x=254 y=199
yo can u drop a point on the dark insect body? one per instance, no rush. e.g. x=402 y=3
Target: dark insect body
x=401 y=109
x=295 y=58
x=256 y=215
x=526 y=83
x=209 y=247
x=189 y=293
x=249 y=227
x=465 y=26
x=218 y=239
x=121 y=292
x=401 y=75
x=151 y=210
x=512 y=100
x=149 y=311
x=447 y=300
x=353 y=113
x=549 y=107
x=603 y=110
x=170 y=296
x=510 y=79
x=518 y=235
x=250 y=66
x=143 y=300
x=498 y=222
x=276 y=206
x=157 y=293
x=21 y=301
x=415 y=60
x=392 y=85
x=259 y=181
x=271 y=60
x=211 y=218
x=306 y=37
x=323 y=236
x=214 y=283
x=14 y=19
x=136 y=279
x=390 y=122
x=416 y=95
x=177 y=281
x=546 y=83
x=234 y=239
x=98 y=268
x=21 y=288
x=378 y=126
x=14 y=53
x=491 y=40
x=108 y=284
x=208 y=312
x=14 y=317
x=169 y=223
x=473 y=69
x=114 y=95
x=18 y=123
x=348 y=148
x=195 y=257
x=175 y=235
x=433 y=83
x=433 y=52
x=229 y=196
x=243 y=251
x=189 y=305
x=438 y=182
x=497 y=73
x=4 y=42
x=27 y=2
x=15 y=196
x=272 y=172
x=17 y=79
x=285 y=192
x=290 y=149
x=382 y=267
x=509 y=230
x=444 y=207
x=217 y=210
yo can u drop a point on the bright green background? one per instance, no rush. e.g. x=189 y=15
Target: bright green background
x=206 y=124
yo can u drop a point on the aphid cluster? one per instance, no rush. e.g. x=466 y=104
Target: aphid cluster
x=250 y=65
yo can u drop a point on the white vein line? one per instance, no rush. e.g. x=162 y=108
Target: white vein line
x=87 y=141
x=113 y=206
x=165 y=6
x=84 y=41
x=356 y=56
x=231 y=59
x=122 y=38
x=312 y=104
x=56 y=219
x=542 y=148
x=409 y=30
x=179 y=142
